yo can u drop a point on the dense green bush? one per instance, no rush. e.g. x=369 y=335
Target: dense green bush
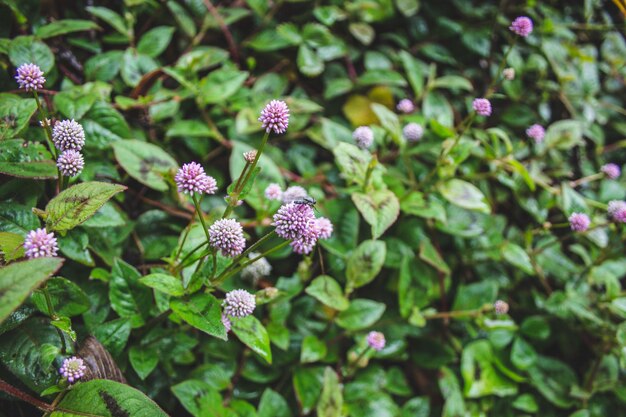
x=488 y=253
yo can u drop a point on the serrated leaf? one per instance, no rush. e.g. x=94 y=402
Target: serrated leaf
x=78 y=203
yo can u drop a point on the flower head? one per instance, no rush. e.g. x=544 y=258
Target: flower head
x=482 y=106
x=39 y=244
x=405 y=106
x=257 y=269
x=306 y=243
x=508 y=74
x=612 y=171
x=363 y=136
x=250 y=156
x=413 y=132
x=239 y=303
x=30 y=77
x=70 y=163
x=68 y=134
x=579 y=222
x=522 y=26
x=275 y=117
x=376 y=340
x=294 y=221
x=325 y=227
x=536 y=132
x=274 y=192
x=501 y=307
x=294 y=193
x=227 y=236
x=226 y=322
x=73 y=369
x=191 y=178
x=617 y=210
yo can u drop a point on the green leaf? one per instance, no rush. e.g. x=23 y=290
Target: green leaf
x=143 y=359
x=517 y=256
x=203 y=312
x=307 y=383
x=452 y=82
x=379 y=208
x=11 y=246
x=78 y=203
x=145 y=162
x=68 y=299
x=389 y=120
x=26 y=50
x=365 y=263
x=198 y=397
x=220 y=84
x=309 y=62
x=554 y=380
x=272 y=404
x=436 y=107
x=414 y=72
x=522 y=354
x=475 y=295
x=361 y=314
x=465 y=195
x=327 y=291
x=351 y=160
x=113 y=335
x=183 y=19
x=17 y=219
x=313 y=349
x=363 y=32
x=167 y=284
x=15 y=114
x=331 y=400
x=26 y=160
x=101 y=397
x=103 y=125
x=128 y=298
x=74 y=103
x=65 y=26
x=19 y=279
x=536 y=327
x=28 y=352
x=155 y=41
x=416 y=407
x=104 y=66
x=115 y=20
x=480 y=374
x=564 y=134
x=251 y=333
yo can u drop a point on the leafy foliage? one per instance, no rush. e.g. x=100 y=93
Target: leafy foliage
x=427 y=234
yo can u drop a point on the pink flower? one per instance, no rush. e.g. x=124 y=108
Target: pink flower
x=250 y=156
x=501 y=307
x=405 y=106
x=68 y=134
x=227 y=236
x=294 y=221
x=617 y=210
x=536 y=132
x=413 y=132
x=191 y=178
x=273 y=192
x=226 y=322
x=30 y=77
x=275 y=117
x=39 y=244
x=239 y=303
x=376 y=340
x=294 y=193
x=325 y=227
x=508 y=74
x=363 y=136
x=70 y=163
x=522 y=26
x=482 y=106
x=579 y=222
x=612 y=171
x=73 y=369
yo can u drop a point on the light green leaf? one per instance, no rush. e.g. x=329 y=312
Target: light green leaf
x=143 y=359
x=65 y=26
x=389 y=120
x=361 y=314
x=26 y=50
x=155 y=41
x=78 y=203
x=145 y=162
x=465 y=195
x=327 y=291
x=480 y=374
x=251 y=333
x=165 y=283
x=26 y=160
x=313 y=349
x=517 y=256
x=309 y=63
x=115 y=20
x=331 y=400
x=379 y=208
x=220 y=84
x=19 y=279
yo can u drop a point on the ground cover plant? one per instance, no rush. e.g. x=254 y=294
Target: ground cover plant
x=389 y=208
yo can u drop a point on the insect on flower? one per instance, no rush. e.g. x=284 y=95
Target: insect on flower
x=309 y=201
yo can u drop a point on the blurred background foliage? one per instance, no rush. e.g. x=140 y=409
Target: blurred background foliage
x=418 y=251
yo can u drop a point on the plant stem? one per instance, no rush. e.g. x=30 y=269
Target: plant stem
x=46 y=126
x=11 y=390
x=225 y=275
x=247 y=251
x=459 y=313
x=196 y=203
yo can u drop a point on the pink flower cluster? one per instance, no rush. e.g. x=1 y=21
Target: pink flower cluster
x=297 y=222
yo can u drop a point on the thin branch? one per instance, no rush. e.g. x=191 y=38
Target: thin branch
x=232 y=46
